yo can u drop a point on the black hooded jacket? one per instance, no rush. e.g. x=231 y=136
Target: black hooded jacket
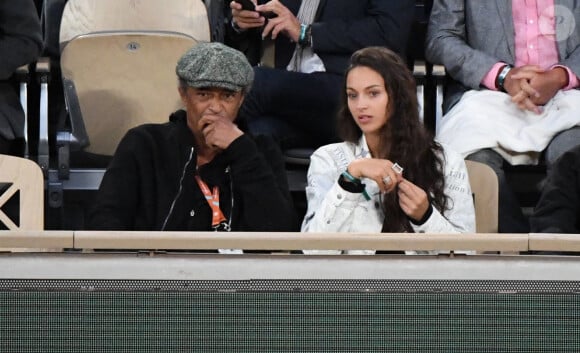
x=150 y=183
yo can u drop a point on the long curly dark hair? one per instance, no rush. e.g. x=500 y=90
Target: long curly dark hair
x=406 y=141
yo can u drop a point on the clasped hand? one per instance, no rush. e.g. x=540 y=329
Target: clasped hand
x=531 y=87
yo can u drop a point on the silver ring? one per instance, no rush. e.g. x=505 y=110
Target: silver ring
x=397 y=168
x=387 y=180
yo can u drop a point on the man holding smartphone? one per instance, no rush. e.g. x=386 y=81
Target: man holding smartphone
x=295 y=99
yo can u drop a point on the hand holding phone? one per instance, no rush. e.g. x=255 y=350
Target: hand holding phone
x=249 y=5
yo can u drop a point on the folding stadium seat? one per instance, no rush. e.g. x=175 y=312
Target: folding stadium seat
x=132 y=82
x=22 y=207
x=21 y=180
x=485 y=190
x=117 y=59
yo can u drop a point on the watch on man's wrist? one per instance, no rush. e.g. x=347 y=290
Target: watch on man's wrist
x=305 y=38
x=502 y=76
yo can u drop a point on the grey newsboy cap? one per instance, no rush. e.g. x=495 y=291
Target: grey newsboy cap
x=215 y=65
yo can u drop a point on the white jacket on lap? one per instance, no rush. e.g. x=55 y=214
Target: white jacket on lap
x=333 y=209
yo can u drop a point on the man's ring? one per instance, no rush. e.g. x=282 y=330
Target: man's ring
x=397 y=168
x=387 y=180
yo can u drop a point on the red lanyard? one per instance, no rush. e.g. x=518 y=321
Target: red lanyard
x=213 y=201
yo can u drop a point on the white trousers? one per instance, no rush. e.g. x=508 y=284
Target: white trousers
x=488 y=119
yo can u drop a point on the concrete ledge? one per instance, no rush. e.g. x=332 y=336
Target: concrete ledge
x=298 y=241
x=554 y=242
x=32 y=241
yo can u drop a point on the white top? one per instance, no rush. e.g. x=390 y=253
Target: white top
x=333 y=209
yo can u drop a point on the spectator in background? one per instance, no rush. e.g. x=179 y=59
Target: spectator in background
x=558 y=210
x=358 y=185
x=198 y=171
x=516 y=66
x=296 y=101
x=20 y=44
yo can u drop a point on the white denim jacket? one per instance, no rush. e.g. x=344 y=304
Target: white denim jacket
x=333 y=209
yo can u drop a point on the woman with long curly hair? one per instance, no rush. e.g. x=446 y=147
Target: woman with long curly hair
x=389 y=174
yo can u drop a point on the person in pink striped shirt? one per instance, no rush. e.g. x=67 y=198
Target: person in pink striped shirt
x=514 y=96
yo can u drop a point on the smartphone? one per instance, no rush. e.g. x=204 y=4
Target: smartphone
x=247 y=5
x=250 y=6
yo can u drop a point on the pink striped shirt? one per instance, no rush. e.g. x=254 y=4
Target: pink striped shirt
x=535 y=39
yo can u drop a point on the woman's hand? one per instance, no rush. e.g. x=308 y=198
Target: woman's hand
x=380 y=170
x=412 y=199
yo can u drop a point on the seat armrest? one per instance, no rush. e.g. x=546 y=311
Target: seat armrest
x=439 y=76
x=79 y=137
x=298 y=156
x=419 y=70
x=22 y=76
x=43 y=76
x=420 y=75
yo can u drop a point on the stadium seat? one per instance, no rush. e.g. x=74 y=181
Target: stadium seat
x=132 y=82
x=88 y=16
x=22 y=180
x=484 y=186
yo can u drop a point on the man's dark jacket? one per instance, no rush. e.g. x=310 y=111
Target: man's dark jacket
x=154 y=167
x=340 y=28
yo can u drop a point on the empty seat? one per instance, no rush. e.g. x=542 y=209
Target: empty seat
x=22 y=180
x=132 y=82
x=87 y=16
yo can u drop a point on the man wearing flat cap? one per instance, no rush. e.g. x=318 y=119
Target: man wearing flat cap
x=199 y=171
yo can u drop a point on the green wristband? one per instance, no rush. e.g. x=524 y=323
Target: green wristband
x=350 y=177
x=357 y=181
